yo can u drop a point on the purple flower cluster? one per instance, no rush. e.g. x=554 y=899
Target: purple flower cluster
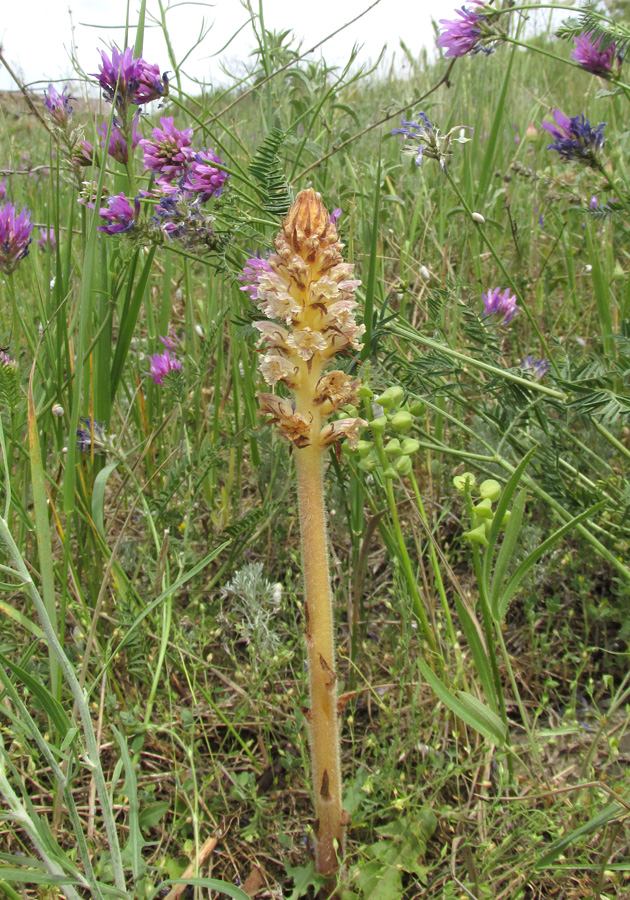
x=119 y=214
x=250 y=274
x=203 y=178
x=82 y=154
x=163 y=363
x=127 y=80
x=47 y=238
x=15 y=237
x=6 y=361
x=575 y=139
x=502 y=303
x=417 y=131
x=90 y=436
x=590 y=57
x=169 y=153
x=117 y=147
x=58 y=105
x=462 y=36
x=180 y=216
x=537 y=367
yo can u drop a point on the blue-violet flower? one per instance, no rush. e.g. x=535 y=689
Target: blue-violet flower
x=503 y=303
x=15 y=237
x=575 y=139
x=119 y=214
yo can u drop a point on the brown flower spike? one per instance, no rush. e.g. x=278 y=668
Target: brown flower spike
x=308 y=287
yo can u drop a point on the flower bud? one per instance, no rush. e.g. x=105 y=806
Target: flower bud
x=401 y=421
x=490 y=489
x=531 y=133
x=478 y=218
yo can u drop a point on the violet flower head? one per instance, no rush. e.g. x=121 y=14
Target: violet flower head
x=117 y=147
x=125 y=80
x=252 y=270
x=15 y=237
x=169 y=152
x=47 y=238
x=161 y=365
x=590 y=57
x=171 y=341
x=502 y=303
x=335 y=215
x=461 y=36
x=90 y=436
x=574 y=139
x=6 y=361
x=58 y=105
x=203 y=177
x=82 y=154
x=536 y=367
x=119 y=214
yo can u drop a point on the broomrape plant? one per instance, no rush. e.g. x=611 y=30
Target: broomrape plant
x=306 y=285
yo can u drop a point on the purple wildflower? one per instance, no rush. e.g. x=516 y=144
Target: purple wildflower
x=503 y=303
x=461 y=36
x=252 y=270
x=126 y=80
x=590 y=57
x=162 y=364
x=537 y=367
x=90 y=436
x=58 y=105
x=171 y=341
x=117 y=147
x=416 y=131
x=429 y=141
x=335 y=214
x=119 y=213
x=82 y=154
x=203 y=177
x=15 y=237
x=47 y=238
x=575 y=139
x=169 y=152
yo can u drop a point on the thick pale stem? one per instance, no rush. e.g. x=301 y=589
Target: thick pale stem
x=319 y=637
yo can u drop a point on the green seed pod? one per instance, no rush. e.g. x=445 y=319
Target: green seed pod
x=364 y=447
x=351 y=411
x=378 y=425
x=477 y=536
x=490 y=489
x=391 y=398
x=367 y=465
x=401 y=421
x=365 y=393
x=417 y=408
x=460 y=481
x=409 y=446
x=393 y=447
x=389 y=472
x=484 y=509
x=403 y=465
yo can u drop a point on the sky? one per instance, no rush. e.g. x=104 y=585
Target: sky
x=37 y=35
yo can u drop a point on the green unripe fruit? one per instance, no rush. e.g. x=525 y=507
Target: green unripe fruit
x=401 y=421
x=477 y=536
x=484 y=509
x=460 y=481
x=409 y=446
x=490 y=489
x=403 y=465
x=365 y=393
x=391 y=398
x=393 y=447
x=351 y=410
x=367 y=465
x=364 y=447
x=417 y=408
x=378 y=425
x=389 y=472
